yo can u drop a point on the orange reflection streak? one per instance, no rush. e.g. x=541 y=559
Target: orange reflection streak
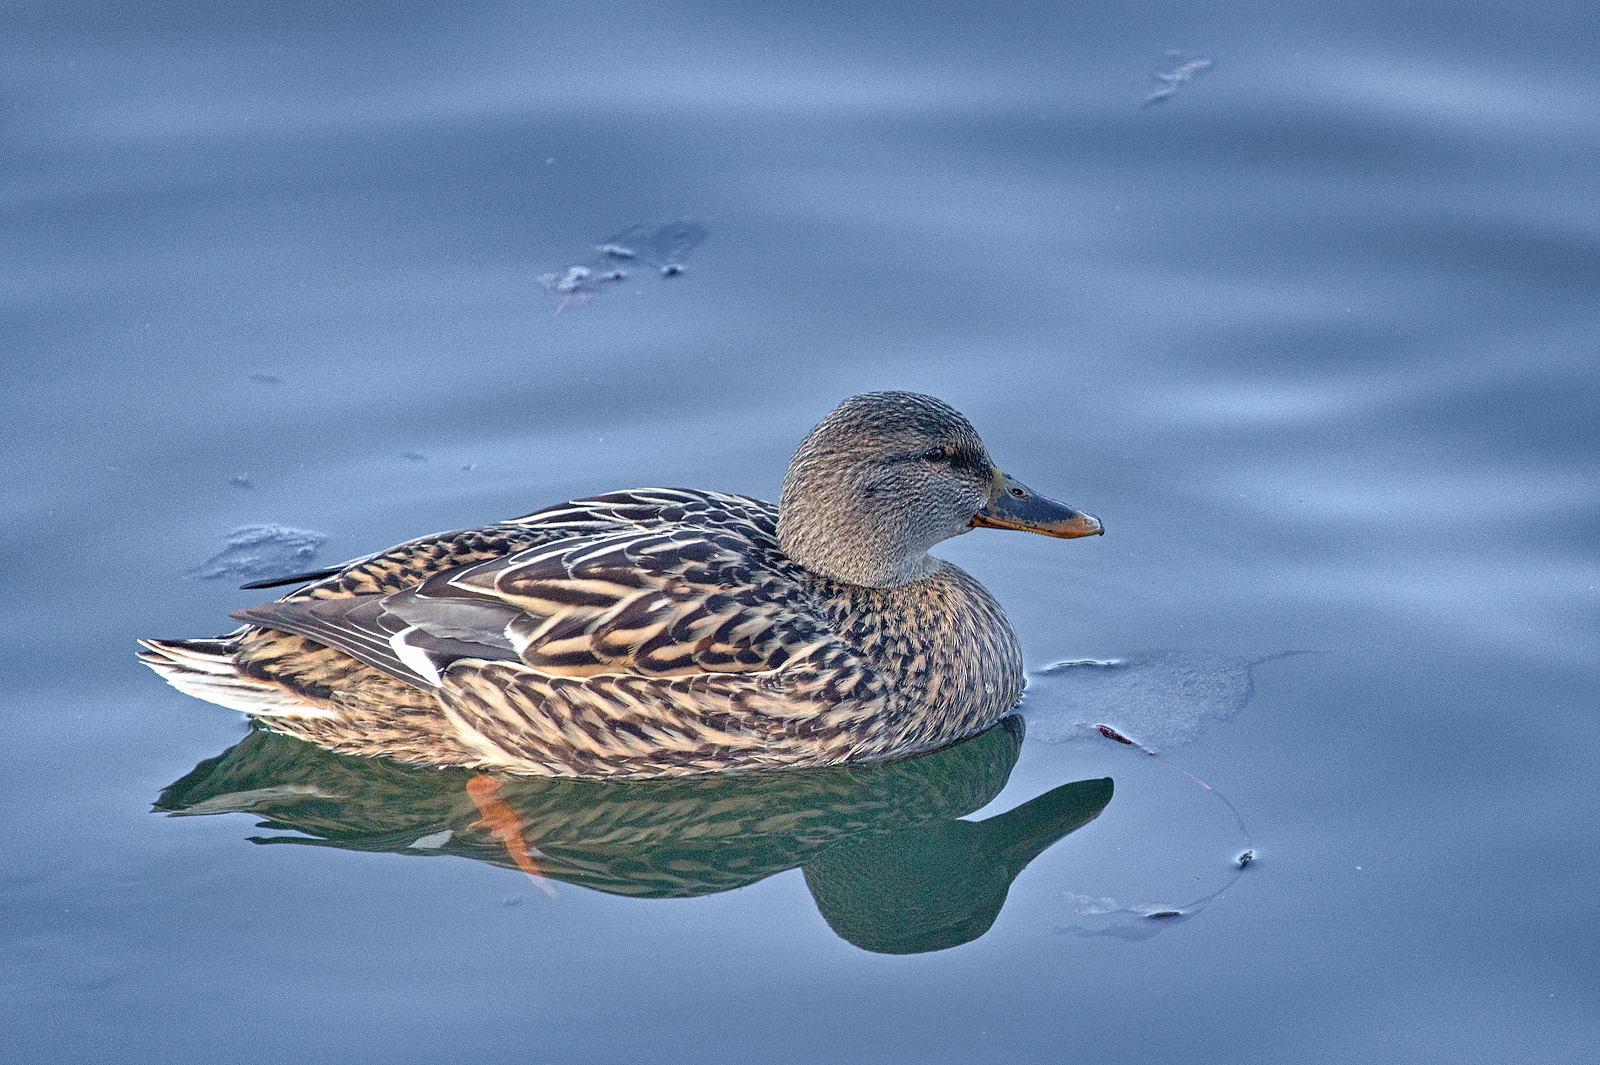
x=500 y=819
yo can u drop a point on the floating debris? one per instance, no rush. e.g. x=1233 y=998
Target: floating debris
x=261 y=552
x=1112 y=734
x=1156 y=700
x=413 y=456
x=241 y=480
x=1184 y=69
x=1100 y=916
x=266 y=379
x=661 y=247
x=573 y=286
x=1160 y=700
x=1107 y=917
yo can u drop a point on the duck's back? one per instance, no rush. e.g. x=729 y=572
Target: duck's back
x=409 y=564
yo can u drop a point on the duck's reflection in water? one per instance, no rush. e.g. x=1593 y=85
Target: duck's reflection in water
x=890 y=866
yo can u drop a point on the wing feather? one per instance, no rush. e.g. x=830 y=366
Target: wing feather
x=654 y=582
x=365 y=629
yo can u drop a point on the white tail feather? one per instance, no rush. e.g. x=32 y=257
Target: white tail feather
x=205 y=670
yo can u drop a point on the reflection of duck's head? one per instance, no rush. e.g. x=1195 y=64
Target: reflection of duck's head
x=942 y=884
x=885 y=476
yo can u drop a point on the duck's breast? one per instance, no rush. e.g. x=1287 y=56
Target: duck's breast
x=944 y=646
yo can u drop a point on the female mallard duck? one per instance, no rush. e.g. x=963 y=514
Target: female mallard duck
x=663 y=631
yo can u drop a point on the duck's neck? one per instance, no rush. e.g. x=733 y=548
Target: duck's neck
x=873 y=574
x=865 y=557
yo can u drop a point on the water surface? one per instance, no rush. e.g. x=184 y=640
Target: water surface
x=1314 y=337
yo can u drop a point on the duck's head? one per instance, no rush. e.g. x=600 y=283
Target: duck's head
x=887 y=475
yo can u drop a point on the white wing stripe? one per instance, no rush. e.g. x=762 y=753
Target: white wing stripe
x=415 y=658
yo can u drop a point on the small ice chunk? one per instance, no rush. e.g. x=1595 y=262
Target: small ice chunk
x=1109 y=918
x=1184 y=69
x=662 y=247
x=260 y=552
x=1158 y=700
x=578 y=283
x=666 y=246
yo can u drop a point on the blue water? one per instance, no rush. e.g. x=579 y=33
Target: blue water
x=1315 y=337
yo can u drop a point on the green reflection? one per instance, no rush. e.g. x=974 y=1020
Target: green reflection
x=891 y=867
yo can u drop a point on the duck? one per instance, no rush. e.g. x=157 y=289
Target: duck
x=662 y=632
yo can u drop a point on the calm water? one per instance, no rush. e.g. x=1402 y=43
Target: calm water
x=1316 y=337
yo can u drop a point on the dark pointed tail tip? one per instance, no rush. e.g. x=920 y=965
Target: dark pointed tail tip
x=293 y=578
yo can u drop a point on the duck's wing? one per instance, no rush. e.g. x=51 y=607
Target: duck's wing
x=409 y=564
x=368 y=630
x=664 y=601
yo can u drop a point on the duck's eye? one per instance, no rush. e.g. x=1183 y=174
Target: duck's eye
x=1020 y=493
x=936 y=454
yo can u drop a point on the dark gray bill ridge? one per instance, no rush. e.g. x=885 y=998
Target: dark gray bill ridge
x=1016 y=506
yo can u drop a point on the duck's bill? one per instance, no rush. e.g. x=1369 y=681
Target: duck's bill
x=1015 y=506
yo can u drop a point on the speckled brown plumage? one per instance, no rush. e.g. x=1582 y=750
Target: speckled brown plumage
x=658 y=632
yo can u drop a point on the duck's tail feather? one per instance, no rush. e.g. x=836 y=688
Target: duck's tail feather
x=205 y=669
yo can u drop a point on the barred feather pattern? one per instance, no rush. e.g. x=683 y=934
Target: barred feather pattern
x=659 y=632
